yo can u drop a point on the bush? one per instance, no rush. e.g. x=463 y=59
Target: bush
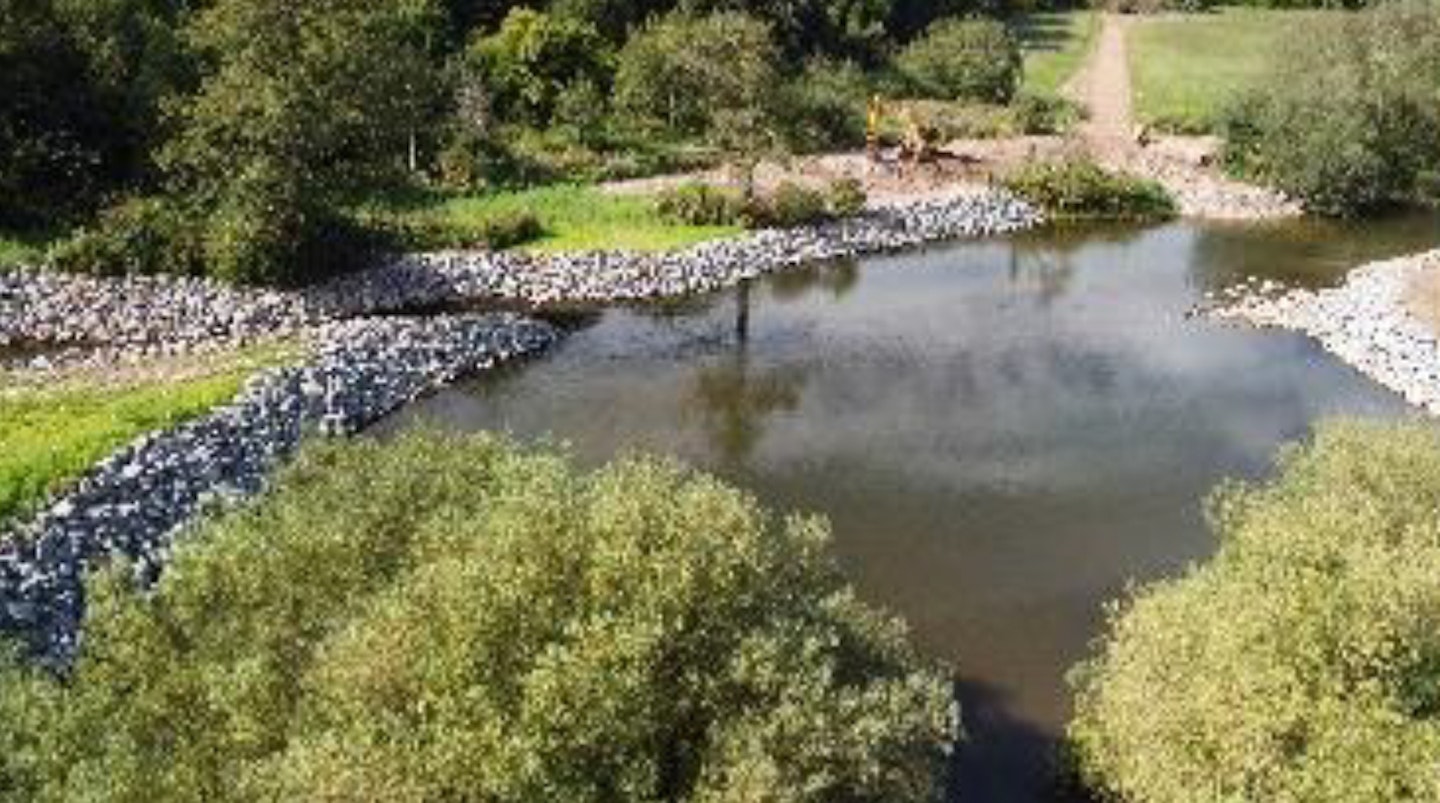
x=1044 y=114
x=456 y=620
x=138 y=236
x=680 y=73
x=1301 y=663
x=1083 y=189
x=847 y=197
x=697 y=204
x=974 y=60
x=1348 y=121
x=789 y=205
x=825 y=107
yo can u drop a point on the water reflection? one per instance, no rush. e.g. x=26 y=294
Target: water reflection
x=1002 y=433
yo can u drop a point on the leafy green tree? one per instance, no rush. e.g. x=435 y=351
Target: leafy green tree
x=307 y=105
x=535 y=59
x=682 y=74
x=54 y=144
x=970 y=59
x=456 y=620
x=1302 y=663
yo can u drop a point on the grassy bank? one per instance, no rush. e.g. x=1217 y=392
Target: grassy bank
x=1186 y=68
x=1055 y=45
x=21 y=249
x=51 y=433
x=577 y=218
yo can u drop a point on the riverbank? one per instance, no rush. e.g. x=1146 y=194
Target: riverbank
x=1368 y=322
x=135 y=502
x=49 y=320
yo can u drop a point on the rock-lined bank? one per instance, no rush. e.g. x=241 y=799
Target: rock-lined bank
x=136 y=501
x=1364 y=322
x=88 y=317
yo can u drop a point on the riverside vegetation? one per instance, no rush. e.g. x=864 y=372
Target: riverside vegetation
x=1300 y=663
x=437 y=619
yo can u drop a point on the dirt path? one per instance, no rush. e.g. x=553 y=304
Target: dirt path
x=1103 y=87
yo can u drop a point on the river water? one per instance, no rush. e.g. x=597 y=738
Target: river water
x=1003 y=433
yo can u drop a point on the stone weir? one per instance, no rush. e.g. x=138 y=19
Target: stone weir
x=136 y=502
x=103 y=321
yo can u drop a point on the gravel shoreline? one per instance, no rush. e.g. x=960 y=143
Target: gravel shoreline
x=1364 y=322
x=135 y=502
x=49 y=320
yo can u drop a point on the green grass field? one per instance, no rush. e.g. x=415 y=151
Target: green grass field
x=577 y=218
x=50 y=435
x=1055 y=44
x=1187 y=68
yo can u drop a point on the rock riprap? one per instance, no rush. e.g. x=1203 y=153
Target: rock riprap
x=134 y=503
x=1364 y=322
x=95 y=316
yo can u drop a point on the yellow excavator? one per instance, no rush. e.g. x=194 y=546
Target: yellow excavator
x=916 y=145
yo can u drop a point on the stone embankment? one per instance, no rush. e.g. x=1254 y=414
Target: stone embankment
x=75 y=319
x=134 y=503
x=1366 y=322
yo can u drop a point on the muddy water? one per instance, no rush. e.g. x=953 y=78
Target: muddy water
x=1003 y=433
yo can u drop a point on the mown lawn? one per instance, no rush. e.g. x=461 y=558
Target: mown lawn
x=49 y=436
x=1055 y=45
x=1186 y=68
x=579 y=218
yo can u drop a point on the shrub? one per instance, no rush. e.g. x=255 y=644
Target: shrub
x=1044 y=114
x=789 y=205
x=1348 y=121
x=138 y=236
x=1303 y=661
x=448 y=620
x=974 y=60
x=1083 y=189
x=847 y=197
x=680 y=72
x=825 y=106
x=533 y=59
x=699 y=204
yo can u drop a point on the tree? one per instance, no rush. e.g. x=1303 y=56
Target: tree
x=54 y=144
x=531 y=62
x=1302 y=663
x=457 y=620
x=682 y=73
x=308 y=104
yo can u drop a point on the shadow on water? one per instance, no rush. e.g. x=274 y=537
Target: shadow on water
x=1005 y=758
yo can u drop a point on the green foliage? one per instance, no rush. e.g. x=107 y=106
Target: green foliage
x=684 y=74
x=1302 y=663
x=825 y=106
x=51 y=436
x=1044 y=114
x=1348 y=121
x=437 y=231
x=847 y=197
x=787 y=206
x=699 y=204
x=535 y=60
x=447 y=620
x=52 y=144
x=308 y=104
x=1082 y=189
x=138 y=236
x=975 y=60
